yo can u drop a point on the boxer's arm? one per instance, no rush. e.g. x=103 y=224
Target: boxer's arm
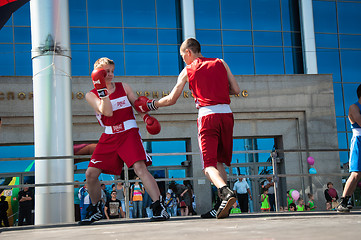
x=354 y=114
x=102 y=106
x=233 y=85
x=176 y=92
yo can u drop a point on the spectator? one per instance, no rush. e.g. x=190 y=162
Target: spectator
x=25 y=198
x=301 y=205
x=120 y=193
x=136 y=193
x=190 y=193
x=84 y=201
x=4 y=206
x=241 y=188
x=175 y=202
x=235 y=208
x=113 y=207
x=269 y=184
x=331 y=196
x=147 y=202
x=265 y=205
x=289 y=199
x=169 y=203
x=76 y=203
x=292 y=207
x=311 y=203
x=106 y=195
x=184 y=199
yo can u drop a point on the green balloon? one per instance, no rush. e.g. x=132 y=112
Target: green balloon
x=290 y=193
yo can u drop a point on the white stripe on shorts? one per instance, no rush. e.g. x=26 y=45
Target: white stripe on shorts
x=219 y=108
x=356 y=131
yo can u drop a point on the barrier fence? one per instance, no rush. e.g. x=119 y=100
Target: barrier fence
x=275 y=159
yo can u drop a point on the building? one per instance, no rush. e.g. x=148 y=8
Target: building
x=265 y=43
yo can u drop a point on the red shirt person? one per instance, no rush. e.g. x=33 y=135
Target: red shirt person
x=211 y=82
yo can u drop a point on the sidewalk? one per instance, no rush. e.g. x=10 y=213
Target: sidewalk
x=258 y=226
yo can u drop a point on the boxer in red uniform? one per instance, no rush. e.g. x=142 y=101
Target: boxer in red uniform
x=211 y=82
x=121 y=142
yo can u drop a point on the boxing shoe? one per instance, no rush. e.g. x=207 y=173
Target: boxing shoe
x=213 y=212
x=228 y=199
x=342 y=206
x=94 y=213
x=159 y=211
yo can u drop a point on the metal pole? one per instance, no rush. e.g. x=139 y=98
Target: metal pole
x=126 y=190
x=188 y=19
x=308 y=37
x=275 y=179
x=52 y=110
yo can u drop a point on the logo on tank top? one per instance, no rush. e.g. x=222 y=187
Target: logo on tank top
x=93 y=161
x=121 y=103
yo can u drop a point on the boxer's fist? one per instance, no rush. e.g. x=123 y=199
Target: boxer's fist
x=144 y=105
x=98 y=77
x=153 y=126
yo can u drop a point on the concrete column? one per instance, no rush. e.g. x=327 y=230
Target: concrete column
x=188 y=20
x=308 y=37
x=52 y=110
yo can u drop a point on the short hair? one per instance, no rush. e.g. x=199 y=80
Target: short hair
x=359 y=91
x=113 y=192
x=329 y=183
x=2 y=198
x=103 y=61
x=191 y=44
x=309 y=195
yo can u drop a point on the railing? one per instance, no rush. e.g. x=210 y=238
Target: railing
x=275 y=175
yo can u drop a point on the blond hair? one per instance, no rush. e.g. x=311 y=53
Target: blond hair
x=103 y=61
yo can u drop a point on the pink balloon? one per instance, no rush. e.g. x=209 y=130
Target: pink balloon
x=332 y=192
x=311 y=160
x=295 y=195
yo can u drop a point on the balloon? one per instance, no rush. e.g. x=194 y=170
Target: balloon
x=295 y=195
x=290 y=192
x=332 y=192
x=312 y=171
x=311 y=160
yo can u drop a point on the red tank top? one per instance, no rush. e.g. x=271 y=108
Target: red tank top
x=122 y=109
x=208 y=82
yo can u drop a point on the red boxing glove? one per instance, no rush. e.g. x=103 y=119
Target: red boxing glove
x=153 y=126
x=144 y=105
x=98 y=77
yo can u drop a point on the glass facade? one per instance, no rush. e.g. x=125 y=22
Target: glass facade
x=253 y=36
x=338 y=43
x=142 y=37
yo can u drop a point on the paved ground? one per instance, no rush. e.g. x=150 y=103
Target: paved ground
x=271 y=226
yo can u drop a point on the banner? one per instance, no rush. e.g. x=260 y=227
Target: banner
x=7 y=7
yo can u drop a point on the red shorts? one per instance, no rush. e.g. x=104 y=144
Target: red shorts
x=215 y=138
x=113 y=150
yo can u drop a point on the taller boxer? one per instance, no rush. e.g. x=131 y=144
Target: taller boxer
x=211 y=82
x=121 y=142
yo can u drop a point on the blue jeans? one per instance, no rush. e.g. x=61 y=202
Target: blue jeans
x=137 y=209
